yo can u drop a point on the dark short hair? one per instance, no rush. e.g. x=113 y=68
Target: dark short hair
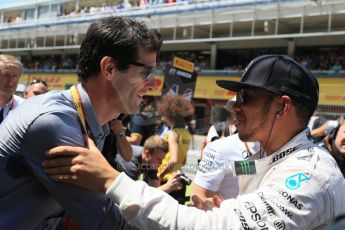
x=118 y=38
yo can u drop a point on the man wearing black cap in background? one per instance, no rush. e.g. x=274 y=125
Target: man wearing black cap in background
x=289 y=184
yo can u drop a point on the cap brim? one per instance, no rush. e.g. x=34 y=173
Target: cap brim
x=233 y=85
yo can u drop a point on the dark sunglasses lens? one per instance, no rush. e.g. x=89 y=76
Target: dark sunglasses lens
x=148 y=73
x=239 y=97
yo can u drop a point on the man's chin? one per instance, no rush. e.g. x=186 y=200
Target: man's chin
x=133 y=110
x=243 y=137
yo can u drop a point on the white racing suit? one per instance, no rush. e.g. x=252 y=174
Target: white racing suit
x=298 y=187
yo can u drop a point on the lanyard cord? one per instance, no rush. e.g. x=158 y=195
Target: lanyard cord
x=79 y=107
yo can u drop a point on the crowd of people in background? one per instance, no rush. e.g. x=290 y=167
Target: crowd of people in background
x=103 y=8
x=50 y=63
x=333 y=61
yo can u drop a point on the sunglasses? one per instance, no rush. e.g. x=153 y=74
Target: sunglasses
x=148 y=71
x=35 y=81
x=243 y=98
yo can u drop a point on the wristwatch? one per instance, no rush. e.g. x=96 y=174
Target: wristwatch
x=121 y=133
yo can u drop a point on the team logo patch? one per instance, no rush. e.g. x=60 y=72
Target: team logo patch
x=244 y=167
x=294 y=182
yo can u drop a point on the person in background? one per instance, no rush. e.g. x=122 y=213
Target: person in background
x=10 y=71
x=335 y=143
x=115 y=142
x=142 y=124
x=290 y=183
x=222 y=126
x=174 y=110
x=35 y=88
x=214 y=175
x=146 y=161
x=162 y=128
x=324 y=130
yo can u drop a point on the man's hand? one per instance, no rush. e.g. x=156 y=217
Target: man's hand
x=173 y=183
x=116 y=126
x=207 y=204
x=85 y=167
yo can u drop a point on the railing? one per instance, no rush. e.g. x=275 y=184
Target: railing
x=150 y=10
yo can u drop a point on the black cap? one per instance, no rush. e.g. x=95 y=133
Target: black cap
x=279 y=74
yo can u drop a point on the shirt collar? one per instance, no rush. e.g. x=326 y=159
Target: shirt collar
x=301 y=139
x=8 y=107
x=98 y=132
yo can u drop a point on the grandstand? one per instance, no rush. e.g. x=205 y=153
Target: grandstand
x=225 y=34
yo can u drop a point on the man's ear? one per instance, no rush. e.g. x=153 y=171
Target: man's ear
x=107 y=67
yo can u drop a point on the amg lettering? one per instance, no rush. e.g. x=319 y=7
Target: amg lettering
x=284 y=210
x=281 y=207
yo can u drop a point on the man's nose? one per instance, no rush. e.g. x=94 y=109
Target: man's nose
x=236 y=107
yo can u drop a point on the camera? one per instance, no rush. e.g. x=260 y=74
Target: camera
x=185 y=180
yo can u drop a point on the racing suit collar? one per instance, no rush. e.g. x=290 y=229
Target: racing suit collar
x=295 y=143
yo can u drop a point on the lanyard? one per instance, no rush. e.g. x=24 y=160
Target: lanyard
x=79 y=106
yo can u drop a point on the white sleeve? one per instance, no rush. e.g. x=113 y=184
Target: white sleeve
x=272 y=206
x=150 y=208
x=212 y=132
x=211 y=170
